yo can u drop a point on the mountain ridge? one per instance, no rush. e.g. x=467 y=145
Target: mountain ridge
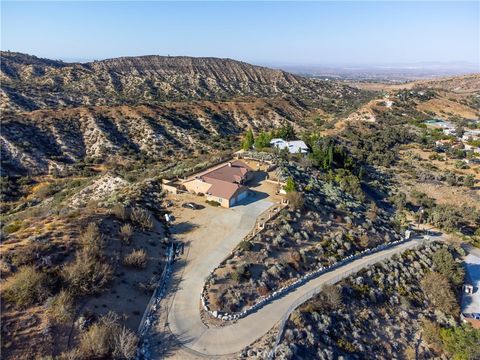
x=31 y=83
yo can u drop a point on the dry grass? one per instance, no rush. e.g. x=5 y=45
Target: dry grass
x=87 y=274
x=27 y=287
x=120 y=212
x=142 y=218
x=125 y=233
x=137 y=259
x=92 y=240
x=107 y=339
x=60 y=308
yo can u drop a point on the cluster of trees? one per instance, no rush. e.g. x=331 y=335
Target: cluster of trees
x=327 y=153
x=377 y=144
x=446 y=216
x=263 y=138
x=441 y=287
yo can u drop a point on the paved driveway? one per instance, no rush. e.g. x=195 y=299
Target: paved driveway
x=185 y=322
x=210 y=235
x=214 y=232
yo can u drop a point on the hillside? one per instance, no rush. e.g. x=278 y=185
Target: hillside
x=42 y=140
x=30 y=83
x=458 y=84
x=464 y=84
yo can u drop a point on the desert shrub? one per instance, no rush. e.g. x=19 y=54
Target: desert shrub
x=213 y=203
x=12 y=227
x=245 y=245
x=136 y=258
x=365 y=241
x=463 y=343
x=372 y=212
x=236 y=276
x=329 y=298
x=27 y=287
x=421 y=199
x=61 y=307
x=446 y=217
x=92 y=240
x=107 y=339
x=445 y=264
x=431 y=334
x=439 y=292
x=87 y=274
x=95 y=342
x=241 y=273
x=120 y=212
x=125 y=344
x=263 y=290
x=125 y=233
x=142 y=218
x=349 y=183
x=410 y=353
x=295 y=200
x=294 y=259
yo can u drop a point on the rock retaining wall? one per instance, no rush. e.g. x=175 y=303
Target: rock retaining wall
x=299 y=282
x=153 y=305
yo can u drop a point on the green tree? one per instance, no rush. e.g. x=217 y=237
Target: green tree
x=431 y=334
x=463 y=343
x=469 y=181
x=459 y=131
x=262 y=140
x=290 y=185
x=445 y=264
x=286 y=132
x=248 y=140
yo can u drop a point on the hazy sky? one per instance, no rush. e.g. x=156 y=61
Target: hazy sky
x=259 y=32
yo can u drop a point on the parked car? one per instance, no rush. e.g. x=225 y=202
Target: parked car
x=193 y=206
x=169 y=203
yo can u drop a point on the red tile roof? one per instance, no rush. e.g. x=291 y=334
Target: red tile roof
x=224 y=189
x=226 y=179
x=235 y=172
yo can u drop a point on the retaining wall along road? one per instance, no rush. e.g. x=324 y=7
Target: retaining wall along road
x=269 y=298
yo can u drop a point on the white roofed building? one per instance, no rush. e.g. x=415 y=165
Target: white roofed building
x=294 y=146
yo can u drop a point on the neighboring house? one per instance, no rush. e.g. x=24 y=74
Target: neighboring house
x=471 y=134
x=471 y=291
x=223 y=184
x=294 y=147
x=472 y=148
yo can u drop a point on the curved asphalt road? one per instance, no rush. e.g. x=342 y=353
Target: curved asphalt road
x=185 y=322
x=184 y=303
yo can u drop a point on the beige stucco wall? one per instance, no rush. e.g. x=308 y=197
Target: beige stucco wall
x=223 y=202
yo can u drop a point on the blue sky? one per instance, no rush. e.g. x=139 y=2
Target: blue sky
x=300 y=33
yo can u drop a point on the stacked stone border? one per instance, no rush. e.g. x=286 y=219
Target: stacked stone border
x=420 y=244
x=283 y=290
x=153 y=305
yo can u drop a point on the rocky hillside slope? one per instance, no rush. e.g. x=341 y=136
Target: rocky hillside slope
x=30 y=83
x=458 y=84
x=39 y=141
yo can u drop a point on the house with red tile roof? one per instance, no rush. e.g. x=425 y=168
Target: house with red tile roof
x=223 y=184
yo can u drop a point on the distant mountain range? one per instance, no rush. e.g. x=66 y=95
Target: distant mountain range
x=56 y=114
x=31 y=83
x=386 y=73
